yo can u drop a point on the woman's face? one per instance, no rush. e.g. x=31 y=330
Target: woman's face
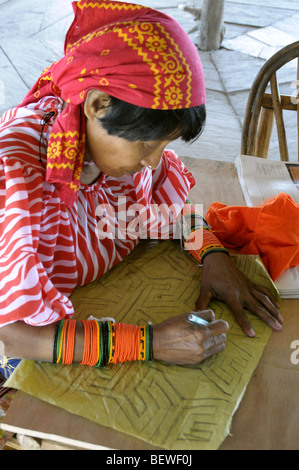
x=116 y=156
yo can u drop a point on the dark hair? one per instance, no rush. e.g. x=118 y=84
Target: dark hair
x=134 y=123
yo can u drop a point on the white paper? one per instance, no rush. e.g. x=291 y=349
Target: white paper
x=288 y=283
x=262 y=179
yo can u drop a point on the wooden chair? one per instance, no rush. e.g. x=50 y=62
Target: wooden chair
x=262 y=107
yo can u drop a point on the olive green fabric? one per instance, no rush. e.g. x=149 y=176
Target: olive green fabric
x=169 y=406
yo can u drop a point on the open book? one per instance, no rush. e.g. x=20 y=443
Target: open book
x=261 y=179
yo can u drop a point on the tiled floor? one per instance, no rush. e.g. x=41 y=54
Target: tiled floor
x=32 y=34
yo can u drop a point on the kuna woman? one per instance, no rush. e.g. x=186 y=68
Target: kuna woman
x=93 y=129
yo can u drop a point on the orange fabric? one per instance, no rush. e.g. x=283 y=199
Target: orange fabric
x=270 y=230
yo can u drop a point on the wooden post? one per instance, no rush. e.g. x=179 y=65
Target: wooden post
x=211 y=25
x=297 y=102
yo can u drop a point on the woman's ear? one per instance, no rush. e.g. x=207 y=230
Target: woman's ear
x=96 y=103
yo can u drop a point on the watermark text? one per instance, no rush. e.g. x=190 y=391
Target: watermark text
x=135 y=221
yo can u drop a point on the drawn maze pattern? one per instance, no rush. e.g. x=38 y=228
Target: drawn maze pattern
x=169 y=406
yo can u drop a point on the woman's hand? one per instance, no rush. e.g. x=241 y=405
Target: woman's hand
x=222 y=280
x=179 y=341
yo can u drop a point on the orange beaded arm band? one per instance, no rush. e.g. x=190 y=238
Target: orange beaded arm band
x=198 y=238
x=104 y=342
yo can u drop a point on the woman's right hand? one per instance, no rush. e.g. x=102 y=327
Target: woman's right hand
x=179 y=341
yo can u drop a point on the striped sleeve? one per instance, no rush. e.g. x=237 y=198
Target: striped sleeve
x=172 y=182
x=26 y=292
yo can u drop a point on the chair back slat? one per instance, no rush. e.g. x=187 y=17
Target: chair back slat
x=282 y=141
x=262 y=107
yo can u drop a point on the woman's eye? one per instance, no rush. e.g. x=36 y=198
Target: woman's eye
x=148 y=146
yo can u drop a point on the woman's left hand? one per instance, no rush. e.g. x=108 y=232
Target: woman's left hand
x=222 y=280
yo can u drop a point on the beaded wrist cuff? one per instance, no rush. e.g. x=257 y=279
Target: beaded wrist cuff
x=198 y=238
x=104 y=343
x=208 y=244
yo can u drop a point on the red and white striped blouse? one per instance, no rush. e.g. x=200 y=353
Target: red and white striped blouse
x=46 y=249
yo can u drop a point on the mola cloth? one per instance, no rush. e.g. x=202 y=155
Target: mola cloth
x=131 y=52
x=270 y=230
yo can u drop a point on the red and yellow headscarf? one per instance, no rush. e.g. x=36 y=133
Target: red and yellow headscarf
x=131 y=52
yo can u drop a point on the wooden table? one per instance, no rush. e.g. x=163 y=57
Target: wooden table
x=268 y=415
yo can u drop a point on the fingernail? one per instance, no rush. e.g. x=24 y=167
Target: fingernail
x=251 y=333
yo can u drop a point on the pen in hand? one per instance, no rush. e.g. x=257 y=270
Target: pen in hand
x=198 y=320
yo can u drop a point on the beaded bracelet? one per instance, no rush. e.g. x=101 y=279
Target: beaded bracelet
x=104 y=342
x=209 y=246
x=198 y=238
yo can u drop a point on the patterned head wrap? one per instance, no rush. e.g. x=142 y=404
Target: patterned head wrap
x=131 y=52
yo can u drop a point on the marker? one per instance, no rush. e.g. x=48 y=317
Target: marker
x=197 y=320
